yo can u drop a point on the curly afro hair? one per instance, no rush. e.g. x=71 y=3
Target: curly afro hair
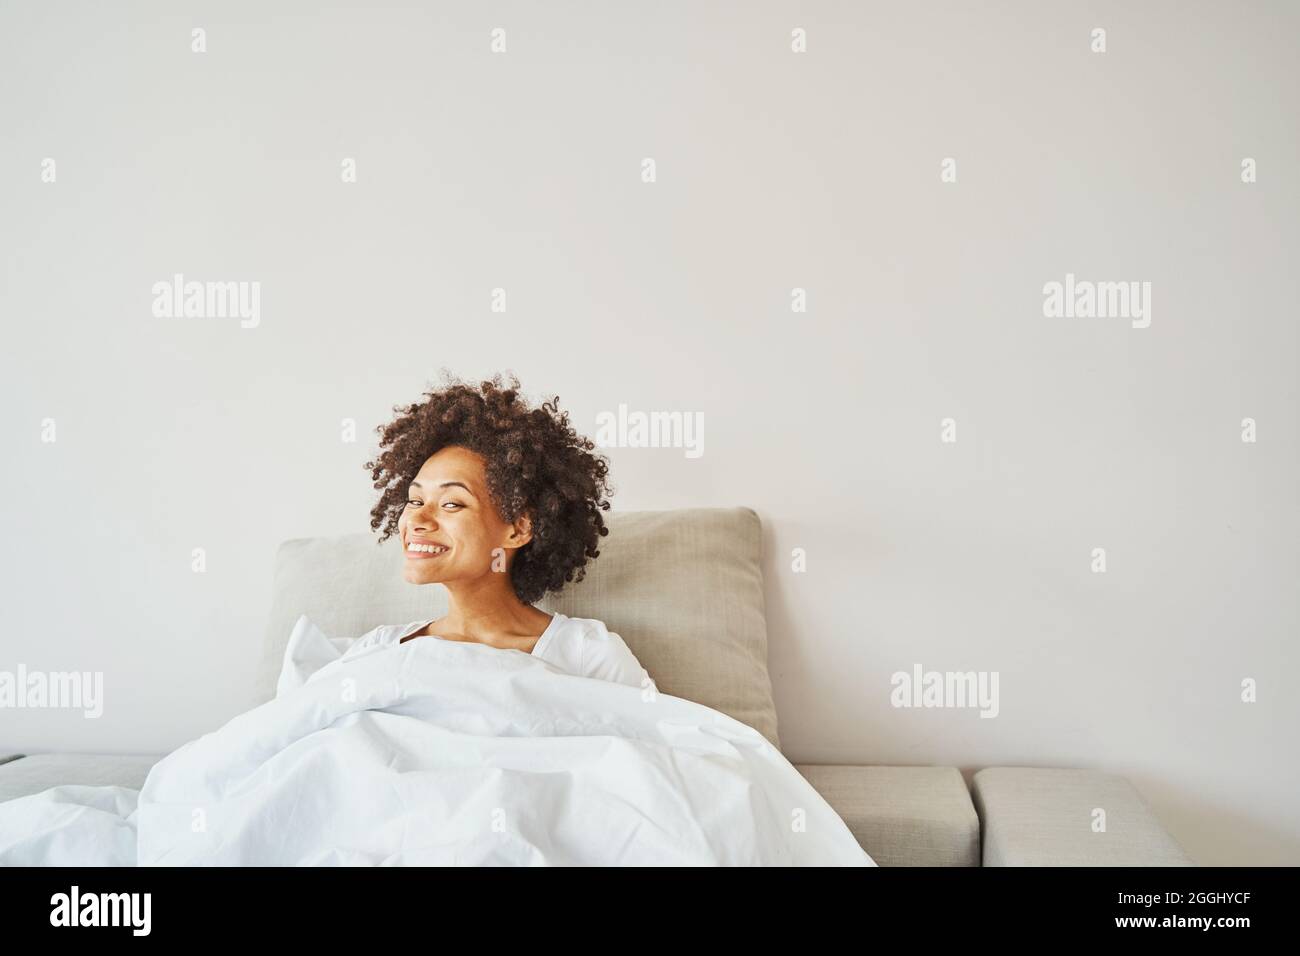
x=536 y=464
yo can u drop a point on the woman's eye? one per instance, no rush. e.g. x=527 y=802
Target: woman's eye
x=412 y=501
x=452 y=504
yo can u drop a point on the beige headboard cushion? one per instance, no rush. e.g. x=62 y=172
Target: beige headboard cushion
x=683 y=588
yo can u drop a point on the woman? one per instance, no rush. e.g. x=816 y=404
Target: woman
x=500 y=503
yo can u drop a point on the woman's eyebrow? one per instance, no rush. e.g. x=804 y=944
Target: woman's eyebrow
x=446 y=484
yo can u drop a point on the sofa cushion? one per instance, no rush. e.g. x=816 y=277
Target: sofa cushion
x=903 y=816
x=1036 y=816
x=37 y=772
x=684 y=589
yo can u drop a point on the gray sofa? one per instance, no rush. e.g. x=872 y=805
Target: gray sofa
x=684 y=589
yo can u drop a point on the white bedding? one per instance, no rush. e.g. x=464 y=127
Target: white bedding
x=443 y=752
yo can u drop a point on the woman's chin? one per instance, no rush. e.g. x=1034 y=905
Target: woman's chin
x=418 y=575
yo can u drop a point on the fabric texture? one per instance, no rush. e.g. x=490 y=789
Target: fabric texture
x=37 y=772
x=576 y=645
x=903 y=816
x=446 y=752
x=684 y=590
x=1045 y=816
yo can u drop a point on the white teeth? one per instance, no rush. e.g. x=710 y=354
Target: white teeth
x=425 y=548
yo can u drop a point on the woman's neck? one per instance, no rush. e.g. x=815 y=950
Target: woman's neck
x=489 y=609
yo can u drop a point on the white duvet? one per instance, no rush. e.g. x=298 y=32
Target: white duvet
x=444 y=752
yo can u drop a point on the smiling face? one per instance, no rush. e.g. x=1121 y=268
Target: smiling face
x=450 y=529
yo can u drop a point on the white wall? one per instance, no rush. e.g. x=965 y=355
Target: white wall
x=775 y=170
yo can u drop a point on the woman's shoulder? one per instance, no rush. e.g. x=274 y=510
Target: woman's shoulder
x=596 y=651
x=580 y=630
x=581 y=625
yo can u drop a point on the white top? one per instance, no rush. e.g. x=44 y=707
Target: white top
x=576 y=645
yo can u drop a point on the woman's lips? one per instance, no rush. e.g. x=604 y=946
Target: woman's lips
x=415 y=553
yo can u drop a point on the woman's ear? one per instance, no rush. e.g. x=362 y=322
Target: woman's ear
x=521 y=532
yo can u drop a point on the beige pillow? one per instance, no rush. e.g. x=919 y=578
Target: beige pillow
x=684 y=589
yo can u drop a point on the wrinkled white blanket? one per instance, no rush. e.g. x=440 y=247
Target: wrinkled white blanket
x=443 y=752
